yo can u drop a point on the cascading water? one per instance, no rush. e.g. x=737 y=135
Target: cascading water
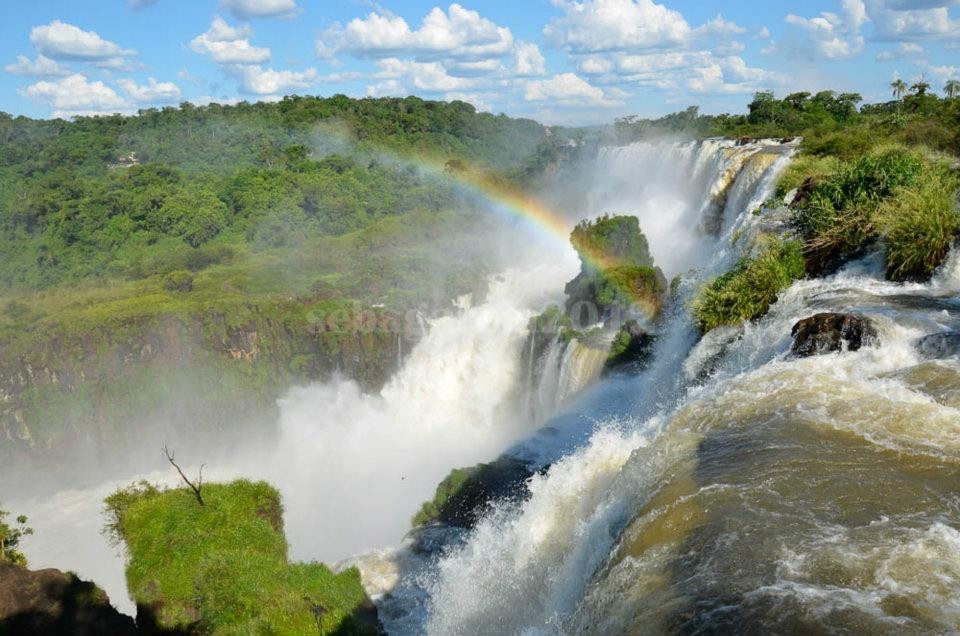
x=743 y=487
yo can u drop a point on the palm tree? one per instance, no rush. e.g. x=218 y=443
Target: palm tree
x=920 y=87
x=899 y=88
x=952 y=88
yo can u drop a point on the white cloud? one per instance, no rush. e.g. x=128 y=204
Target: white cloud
x=431 y=77
x=153 y=91
x=595 y=65
x=720 y=26
x=62 y=41
x=139 y=4
x=731 y=75
x=909 y=20
x=43 y=66
x=829 y=35
x=226 y=44
x=905 y=50
x=567 y=89
x=604 y=25
x=458 y=32
x=387 y=88
x=260 y=8
x=261 y=81
x=528 y=60
x=75 y=95
x=763 y=34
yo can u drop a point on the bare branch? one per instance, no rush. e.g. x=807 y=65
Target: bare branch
x=195 y=488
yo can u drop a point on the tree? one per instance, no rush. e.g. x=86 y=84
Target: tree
x=899 y=88
x=10 y=539
x=195 y=487
x=920 y=87
x=952 y=88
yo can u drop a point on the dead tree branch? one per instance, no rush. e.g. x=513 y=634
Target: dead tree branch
x=195 y=488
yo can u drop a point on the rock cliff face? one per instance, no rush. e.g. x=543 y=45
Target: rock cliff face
x=72 y=393
x=50 y=602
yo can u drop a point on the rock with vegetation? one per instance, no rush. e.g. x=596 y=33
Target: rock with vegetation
x=630 y=349
x=466 y=493
x=827 y=332
x=222 y=567
x=747 y=291
x=616 y=270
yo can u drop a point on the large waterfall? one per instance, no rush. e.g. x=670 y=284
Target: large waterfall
x=730 y=485
x=726 y=485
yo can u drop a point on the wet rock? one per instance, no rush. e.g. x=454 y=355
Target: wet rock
x=826 y=332
x=53 y=602
x=939 y=345
x=466 y=493
x=630 y=349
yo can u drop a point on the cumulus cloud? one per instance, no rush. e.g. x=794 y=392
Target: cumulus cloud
x=603 y=25
x=829 y=35
x=152 y=91
x=567 y=89
x=528 y=60
x=260 y=8
x=75 y=95
x=905 y=50
x=720 y=26
x=457 y=32
x=913 y=20
x=62 y=41
x=42 y=66
x=430 y=77
x=732 y=75
x=226 y=44
x=267 y=81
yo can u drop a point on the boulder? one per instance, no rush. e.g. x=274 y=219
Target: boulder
x=630 y=349
x=826 y=332
x=53 y=602
x=939 y=345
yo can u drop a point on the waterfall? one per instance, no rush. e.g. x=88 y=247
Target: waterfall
x=731 y=486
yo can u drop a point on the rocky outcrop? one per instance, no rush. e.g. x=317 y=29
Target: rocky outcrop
x=826 y=332
x=466 y=493
x=52 y=602
x=936 y=346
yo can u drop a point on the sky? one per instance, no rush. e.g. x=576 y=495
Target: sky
x=557 y=61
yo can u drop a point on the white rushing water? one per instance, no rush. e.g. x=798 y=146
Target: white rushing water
x=852 y=528
x=353 y=468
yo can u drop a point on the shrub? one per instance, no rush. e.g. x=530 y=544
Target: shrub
x=837 y=219
x=631 y=286
x=178 y=281
x=747 y=291
x=10 y=537
x=803 y=168
x=610 y=241
x=920 y=224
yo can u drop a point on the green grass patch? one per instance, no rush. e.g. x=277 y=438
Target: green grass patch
x=222 y=567
x=920 y=224
x=837 y=216
x=747 y=291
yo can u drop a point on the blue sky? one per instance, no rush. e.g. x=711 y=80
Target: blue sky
x=559 y=61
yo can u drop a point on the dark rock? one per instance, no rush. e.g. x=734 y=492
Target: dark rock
x=827 y=332
x=630 y=349
x=939 y=345
x=464 y=496
x=53 y=602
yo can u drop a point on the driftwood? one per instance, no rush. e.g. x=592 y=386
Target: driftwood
x=196 y=488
